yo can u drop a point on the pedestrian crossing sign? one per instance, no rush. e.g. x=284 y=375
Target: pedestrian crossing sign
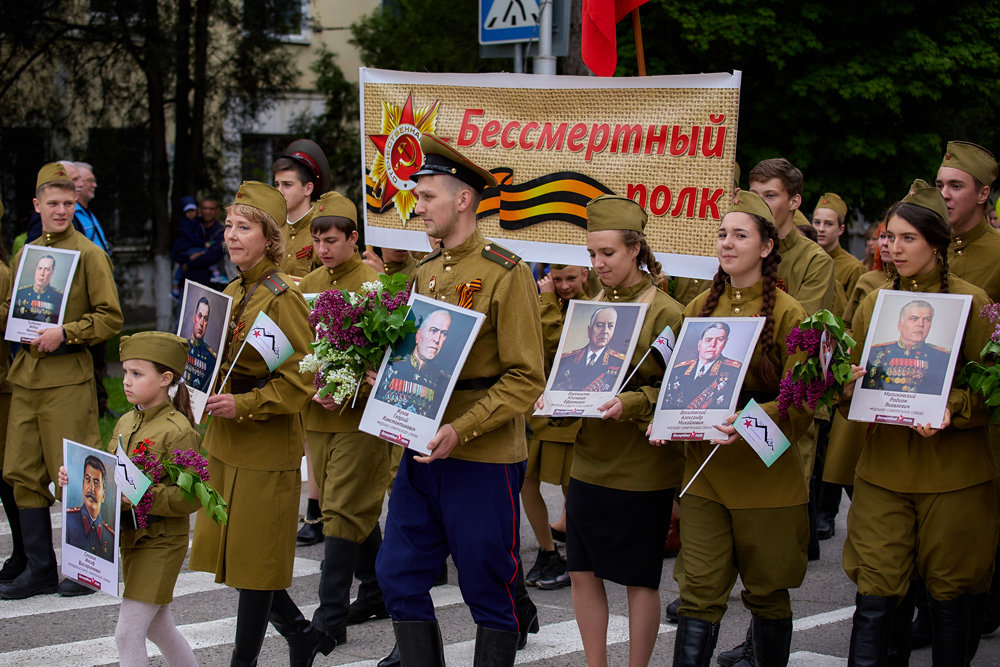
x=508 y=21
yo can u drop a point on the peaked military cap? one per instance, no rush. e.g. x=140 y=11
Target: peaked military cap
x=50 y=173
x=335 y=205
x=264 y=197
x=750 y=202
x=833 y=201
x=972 y=159
x=312 y=156
x=925 y=195
x=440 y=158
x=156 y=346
x=607 y=212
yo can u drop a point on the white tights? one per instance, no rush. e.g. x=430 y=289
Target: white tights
x=138 y=620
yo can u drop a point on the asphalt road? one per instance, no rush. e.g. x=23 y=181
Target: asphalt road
x=50 y=631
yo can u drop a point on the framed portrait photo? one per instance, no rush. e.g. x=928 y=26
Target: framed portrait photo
x=91 y=518
x=41 y=285
x=909 y=357
x=203 y=319
x=419 y=374
x=701 y=386
x=592 y=359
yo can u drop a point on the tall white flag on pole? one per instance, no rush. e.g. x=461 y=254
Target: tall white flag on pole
x=267 y=338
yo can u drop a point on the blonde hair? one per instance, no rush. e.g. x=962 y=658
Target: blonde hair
x=275 y=249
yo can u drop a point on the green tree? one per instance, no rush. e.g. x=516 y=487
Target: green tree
x=862 y=98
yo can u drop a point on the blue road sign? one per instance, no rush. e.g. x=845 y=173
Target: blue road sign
x=508 y=21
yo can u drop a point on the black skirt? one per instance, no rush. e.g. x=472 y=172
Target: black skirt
x=618 y=535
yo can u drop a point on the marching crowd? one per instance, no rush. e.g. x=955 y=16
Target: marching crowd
x=923 y=526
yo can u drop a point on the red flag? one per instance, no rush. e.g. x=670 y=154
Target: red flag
x=599 y=45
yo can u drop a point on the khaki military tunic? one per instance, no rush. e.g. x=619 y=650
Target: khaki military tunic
x=631 y=463
x=926 y=505
x=152 y=556
x=740 y=517
x=407 y=268
x=847 y=268
x=846 y=437
x=300 y=258
x=255 y=458
x=975 y=257
x=5 y=288
x=808 y=273
x=351 y=468
x=489 y=422
x=684 y=290
x=54 y=395
x=550 y=446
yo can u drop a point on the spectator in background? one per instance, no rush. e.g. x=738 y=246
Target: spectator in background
x=199 y=248
x=871 y=246
x=86 y=188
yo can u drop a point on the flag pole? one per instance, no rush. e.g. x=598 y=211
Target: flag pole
x=648 y=350
x=640 y=55
x=232 y=365
x=702 y=467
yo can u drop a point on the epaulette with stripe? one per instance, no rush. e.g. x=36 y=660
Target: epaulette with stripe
x=276 y=284
x=430 y=257
x=501 y=256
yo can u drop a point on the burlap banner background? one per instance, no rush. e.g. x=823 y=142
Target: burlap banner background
x=554 y=143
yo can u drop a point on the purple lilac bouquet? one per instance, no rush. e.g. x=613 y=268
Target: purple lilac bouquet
x=185 y=468
x=985 y=380
x=353 y=331
x=807 y=383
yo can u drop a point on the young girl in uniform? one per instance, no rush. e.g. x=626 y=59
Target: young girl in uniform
x=154 y=362
x=739 y=516
x=620 y=489
x=924 y=499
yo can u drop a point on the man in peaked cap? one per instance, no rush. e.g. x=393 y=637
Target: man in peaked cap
x=829 y=218
x=52 y=377
x=302 y=175
x=457 y=498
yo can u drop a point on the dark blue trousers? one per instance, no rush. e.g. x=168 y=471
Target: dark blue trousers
x=468 y=509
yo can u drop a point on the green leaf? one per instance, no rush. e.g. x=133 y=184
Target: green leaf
x=220 y=515
x=185 y=480
x=202 y=493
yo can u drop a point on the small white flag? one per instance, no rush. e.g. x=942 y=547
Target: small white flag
x=128 y=477
x=761 y=433
x=664 y=344
x=267 y=338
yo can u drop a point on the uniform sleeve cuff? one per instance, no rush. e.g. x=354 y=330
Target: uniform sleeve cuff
x=465 y=428
x=633 y=404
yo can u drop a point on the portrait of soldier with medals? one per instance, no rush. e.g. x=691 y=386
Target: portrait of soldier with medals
x=202 y=321
x=40 y=287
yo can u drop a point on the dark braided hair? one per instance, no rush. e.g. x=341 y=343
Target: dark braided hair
x=932 y=227
x=645 y=257
x=769 y=271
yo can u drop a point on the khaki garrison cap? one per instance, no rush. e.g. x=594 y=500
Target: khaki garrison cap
x=263 y=197
x=158 y=347
x=972 y=159
x=608 y=212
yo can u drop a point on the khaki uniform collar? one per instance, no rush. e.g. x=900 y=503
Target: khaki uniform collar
x=475 y=241
x=51 y=239
x=153 y=412
x=257 y=272
x=790 y=241
x=737 y=294
x=924 y=282
x=627 y=293
x=338 y=272
x=971 y=236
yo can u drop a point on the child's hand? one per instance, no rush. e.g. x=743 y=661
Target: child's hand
x=126 y=503
x=63 y=477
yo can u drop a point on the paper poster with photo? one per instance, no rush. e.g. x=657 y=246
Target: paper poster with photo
x=592 y=360
x=419 y=374
x=91 y=517
x=41 y=285
x=701 y=387
x=203 y=319
x=909 y=358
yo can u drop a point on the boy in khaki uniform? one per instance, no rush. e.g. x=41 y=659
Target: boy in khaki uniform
x=53 y=388
x=828 y=220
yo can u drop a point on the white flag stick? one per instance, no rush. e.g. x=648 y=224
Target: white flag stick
x=231 y=367
x=648 y=350
x=697 y=472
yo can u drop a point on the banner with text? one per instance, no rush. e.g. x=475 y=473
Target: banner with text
x=554 y=143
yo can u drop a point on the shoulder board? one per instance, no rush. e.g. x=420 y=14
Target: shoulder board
x=616 y=355
x=732 y=363
x=939 y=349
x=430 y=257
x=73 y=510
x=501 y=256
x=276 y=284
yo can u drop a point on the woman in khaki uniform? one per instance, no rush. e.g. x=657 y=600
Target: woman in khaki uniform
x=740 y=517
x=254 y=440
x=924 y=500
x=152 y=556
x=621 y=489
x=351 y=468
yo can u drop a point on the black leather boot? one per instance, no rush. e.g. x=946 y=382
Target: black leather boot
x=695 y=642
x=14 y=565
x=252 y=614
x=772 y=641
x=527 y=612
x=920 y=631
x=369 y=603
x=304 y=639
x=898 y=654
x=335 y=587
x=741 y=655
x=978 y=605
x=391 y=660
x=494 y=648
x=873 y=620
x=41 y=575
x=311 y=531
x=420 y=644
x=949 y=631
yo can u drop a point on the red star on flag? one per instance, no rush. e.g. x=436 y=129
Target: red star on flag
x=747 y=423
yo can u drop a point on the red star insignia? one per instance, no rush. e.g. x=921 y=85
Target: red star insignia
x=747 y=423
x=405 y=151
x=256 y=333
